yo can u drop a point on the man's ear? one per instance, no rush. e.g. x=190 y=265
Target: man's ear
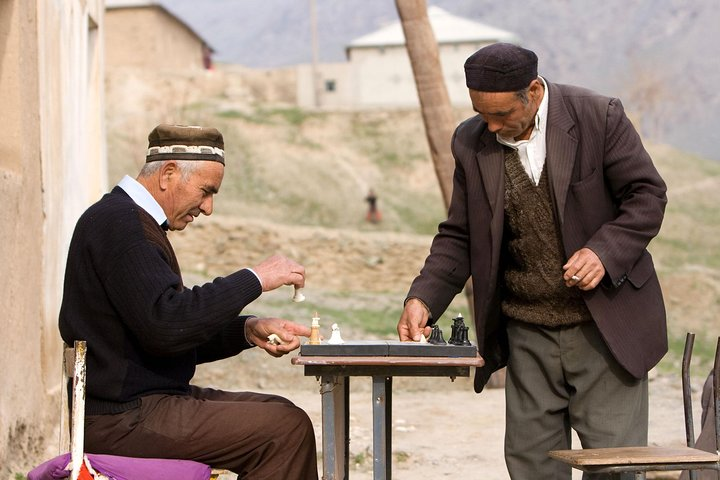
x=536 y=88
x=169 y=172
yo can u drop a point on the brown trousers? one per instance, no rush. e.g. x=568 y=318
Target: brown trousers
x=255 y=435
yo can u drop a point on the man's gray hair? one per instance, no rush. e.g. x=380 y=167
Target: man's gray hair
x=187 y=168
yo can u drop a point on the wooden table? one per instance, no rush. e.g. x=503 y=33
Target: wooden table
x=334 y=373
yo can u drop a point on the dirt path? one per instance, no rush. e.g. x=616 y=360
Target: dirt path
x=440 y=429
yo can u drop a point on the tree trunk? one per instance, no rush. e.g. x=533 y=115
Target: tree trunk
x=435 y=105
x=434 y=100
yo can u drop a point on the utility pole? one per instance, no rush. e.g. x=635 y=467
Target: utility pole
x=314 y=46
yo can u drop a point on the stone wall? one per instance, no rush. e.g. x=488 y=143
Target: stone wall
x=150 y=37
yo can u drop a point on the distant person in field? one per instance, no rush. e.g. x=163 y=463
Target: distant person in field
x=373 y=214
x=146 y=331
x=554 y=202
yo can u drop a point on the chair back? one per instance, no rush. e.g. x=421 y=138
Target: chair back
x=72 y=404
x=72 y=414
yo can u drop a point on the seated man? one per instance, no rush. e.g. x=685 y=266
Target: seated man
x=146 y=331
x=706 y=439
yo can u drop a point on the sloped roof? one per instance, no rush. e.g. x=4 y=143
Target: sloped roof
x=116 y=4
x=448 y=28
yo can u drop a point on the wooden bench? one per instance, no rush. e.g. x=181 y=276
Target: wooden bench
x=72 y=423
x=639 y=460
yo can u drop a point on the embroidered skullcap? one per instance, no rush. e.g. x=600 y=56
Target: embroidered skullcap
x=182 y=142
x=500 y=67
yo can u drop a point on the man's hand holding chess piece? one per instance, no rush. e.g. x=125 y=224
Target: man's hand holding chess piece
x=413 y=322
x=277 y=271
x=277 y=336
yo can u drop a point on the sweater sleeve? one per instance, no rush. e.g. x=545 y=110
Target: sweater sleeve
x=227 y=343
x=164 y=317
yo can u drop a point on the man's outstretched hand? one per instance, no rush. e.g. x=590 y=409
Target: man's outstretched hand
x=413 y=321
x=257 y=330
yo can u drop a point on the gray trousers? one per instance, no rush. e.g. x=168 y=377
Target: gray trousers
x=560 y=379
x=255 y=435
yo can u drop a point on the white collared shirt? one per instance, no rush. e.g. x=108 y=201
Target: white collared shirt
x=142 y=198
x=533 y=150
x=147 y=202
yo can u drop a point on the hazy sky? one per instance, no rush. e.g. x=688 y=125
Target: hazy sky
x=658 y=56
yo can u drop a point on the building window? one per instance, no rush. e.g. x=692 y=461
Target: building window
x=330 y=85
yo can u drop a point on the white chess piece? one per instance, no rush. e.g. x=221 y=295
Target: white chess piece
x=335 y=338
x=298 y=296
x=423 y=339
x=315 y=331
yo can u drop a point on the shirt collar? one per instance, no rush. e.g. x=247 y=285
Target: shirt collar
x=541 y=116
x=540 y=121
x=142 y=198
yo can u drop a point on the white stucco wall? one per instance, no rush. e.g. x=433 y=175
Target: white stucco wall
x=380 y=77
x=383 y=75
x=333 y=86
x=52 y=165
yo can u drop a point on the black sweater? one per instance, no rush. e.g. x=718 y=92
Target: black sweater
x=124 y=295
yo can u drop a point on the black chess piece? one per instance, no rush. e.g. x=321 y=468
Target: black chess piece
x=453 y=334
x=457 y=328
x=464 y=340
x=436 y=336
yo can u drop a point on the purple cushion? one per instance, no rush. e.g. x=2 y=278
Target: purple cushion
x=125 y=468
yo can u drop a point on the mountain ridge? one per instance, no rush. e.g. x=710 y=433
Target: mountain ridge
x=657 y=56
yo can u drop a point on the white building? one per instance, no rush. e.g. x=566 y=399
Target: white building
x=378 y=71
x=144 y=34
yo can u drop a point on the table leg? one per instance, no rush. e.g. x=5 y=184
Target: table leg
x=382 y=427
x=335 y=398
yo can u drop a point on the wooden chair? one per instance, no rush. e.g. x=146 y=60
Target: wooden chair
x=639 y=460
x=72 y=417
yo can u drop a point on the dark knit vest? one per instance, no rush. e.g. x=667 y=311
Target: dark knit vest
x=534 y=290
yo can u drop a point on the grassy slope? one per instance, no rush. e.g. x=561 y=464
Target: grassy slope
x=687 y=250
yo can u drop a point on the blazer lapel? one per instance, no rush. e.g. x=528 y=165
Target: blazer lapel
x=491 y=164
x=561 y=148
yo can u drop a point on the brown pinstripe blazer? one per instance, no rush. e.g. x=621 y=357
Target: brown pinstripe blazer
x=608 y=196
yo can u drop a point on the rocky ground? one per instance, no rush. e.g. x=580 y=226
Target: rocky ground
x=440 y=429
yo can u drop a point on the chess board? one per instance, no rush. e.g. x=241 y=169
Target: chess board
x=387 y=348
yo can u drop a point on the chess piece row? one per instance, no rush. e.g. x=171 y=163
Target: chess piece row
x=315 y=338
x=459 y=335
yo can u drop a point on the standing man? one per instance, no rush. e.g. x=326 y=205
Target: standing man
x=146 y=331
x=554 y=203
